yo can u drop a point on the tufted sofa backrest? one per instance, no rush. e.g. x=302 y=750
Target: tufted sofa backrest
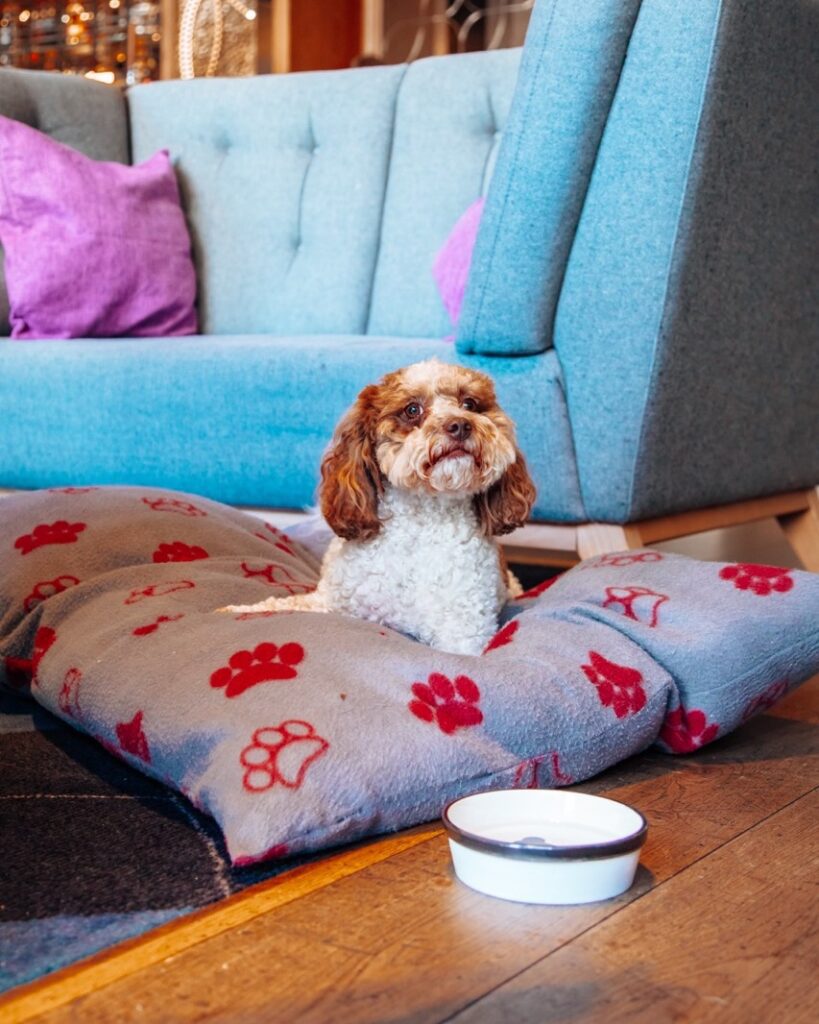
x=317 y=202
x=72 y=110
x=283 y=181
x=450 y=117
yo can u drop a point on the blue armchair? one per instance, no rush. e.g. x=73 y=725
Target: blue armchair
x=640 y=287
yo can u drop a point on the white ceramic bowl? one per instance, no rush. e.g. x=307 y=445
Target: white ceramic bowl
x=544 y=845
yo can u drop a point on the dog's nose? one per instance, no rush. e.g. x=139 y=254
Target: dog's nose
x=458 y=430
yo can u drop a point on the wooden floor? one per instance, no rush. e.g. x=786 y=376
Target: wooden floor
x=722 y=923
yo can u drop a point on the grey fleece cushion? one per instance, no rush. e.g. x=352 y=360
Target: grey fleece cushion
x=297 y=731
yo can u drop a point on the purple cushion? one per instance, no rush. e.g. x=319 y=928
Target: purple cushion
x=451 y=267
x=93 y=249
x=297 y=731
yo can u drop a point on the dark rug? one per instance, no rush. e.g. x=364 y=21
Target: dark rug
x=93 y=851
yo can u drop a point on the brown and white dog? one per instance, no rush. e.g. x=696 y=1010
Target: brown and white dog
x=421 y=473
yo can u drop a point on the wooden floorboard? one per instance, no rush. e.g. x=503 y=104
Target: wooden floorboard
x=399 y=939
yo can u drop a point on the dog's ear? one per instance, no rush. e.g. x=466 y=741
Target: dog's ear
x=350 y=478
x=507 y=503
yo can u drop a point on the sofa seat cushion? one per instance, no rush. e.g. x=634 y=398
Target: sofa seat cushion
x=297 y=730
x=243 y=419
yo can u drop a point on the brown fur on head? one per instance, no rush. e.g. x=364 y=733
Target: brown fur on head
x=431 y=427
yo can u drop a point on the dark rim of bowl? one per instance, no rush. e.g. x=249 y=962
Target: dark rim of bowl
x=526 y=851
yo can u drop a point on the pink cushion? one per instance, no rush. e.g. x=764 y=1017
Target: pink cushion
x=452 y=263
x=93 y=249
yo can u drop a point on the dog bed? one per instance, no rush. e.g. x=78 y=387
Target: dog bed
x=296 y=731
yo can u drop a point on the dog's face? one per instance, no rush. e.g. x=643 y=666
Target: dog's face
x=430 y=427
x=439 y=428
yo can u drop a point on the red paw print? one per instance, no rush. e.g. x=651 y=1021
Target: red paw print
x=182 y=508
x=683 y=732
x=178 y=551
x=43 y=640
x=759 y=579
x=276 y=575
x=281 y=754
x=158 y=590
x=69 y=696
x=527 y=773
x=278 y=539
x=619 y=687
x=22 y=671
x=48 y=588
x=638 y=603
x=71 y=490
x=152 y=627
x=765 y=700
x=451 y=705
x=503 y=636
x=59 y=532
x=623 y=559
x=132 y=738
x=264 y=664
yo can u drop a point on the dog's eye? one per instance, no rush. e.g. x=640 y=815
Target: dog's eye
x=412 y=411
x=470 y=404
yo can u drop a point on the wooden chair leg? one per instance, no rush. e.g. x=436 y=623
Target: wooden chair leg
x=802 y=531
x=604 y=538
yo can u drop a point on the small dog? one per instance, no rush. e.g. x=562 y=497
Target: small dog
x=422 y=471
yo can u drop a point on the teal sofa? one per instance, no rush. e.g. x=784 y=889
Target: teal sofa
x=640 y=287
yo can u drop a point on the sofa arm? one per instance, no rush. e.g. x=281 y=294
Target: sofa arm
x=686 y=328
x=569 y=70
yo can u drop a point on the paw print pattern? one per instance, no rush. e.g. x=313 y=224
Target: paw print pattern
x=48 y=588
x=619 y=560
x=71 y=490
x=44 y=640
x=264 y=664
x=276 y=575
x=278 y=539
x=761 y=580
x=451 y=705
x=182 y=508
x=152 y=627
x=503 y=636
x=765 y=700
x=69 y=695
x=686 y=731
x=179 y=551
x=619 y=687
x=158 y=590
x=59 y=532
x=280 y=755
x=637 y=603
x=132 y=738
x=527 y=773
